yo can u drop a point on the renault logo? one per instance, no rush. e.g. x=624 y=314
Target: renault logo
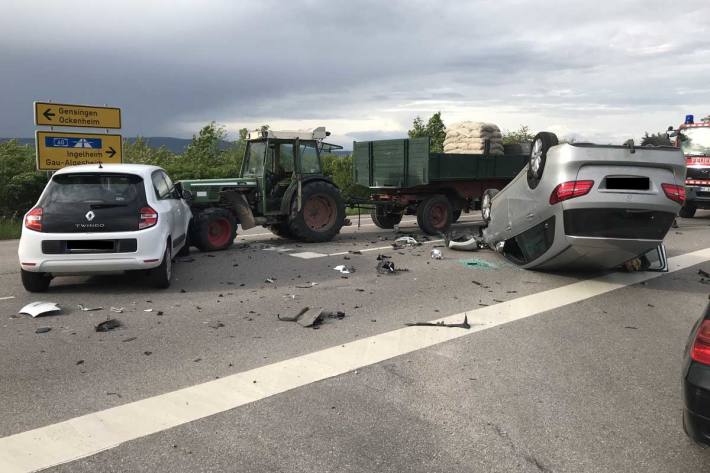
x=90 y=215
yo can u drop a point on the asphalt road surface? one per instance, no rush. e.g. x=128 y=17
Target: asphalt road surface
x=558 y=373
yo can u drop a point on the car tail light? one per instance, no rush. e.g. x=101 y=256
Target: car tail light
x=674 y=192
x=33 y=219
x=700 y=351
x=570 y=190
x=148 y=218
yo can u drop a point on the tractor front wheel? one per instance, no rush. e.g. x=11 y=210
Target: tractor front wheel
x=215 y=229
x=322 y=213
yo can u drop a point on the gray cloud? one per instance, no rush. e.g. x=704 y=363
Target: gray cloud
x=603 y=69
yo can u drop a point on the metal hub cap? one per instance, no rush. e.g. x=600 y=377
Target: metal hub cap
x=536 y=157
x=319 y=212
x=439 y=215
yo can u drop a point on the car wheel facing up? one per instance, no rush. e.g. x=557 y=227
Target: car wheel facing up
x=538 y=156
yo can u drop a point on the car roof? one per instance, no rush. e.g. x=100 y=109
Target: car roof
x=144 y=170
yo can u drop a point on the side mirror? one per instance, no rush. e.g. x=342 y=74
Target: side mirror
x=671 y=133
x=655 y=259
x=187 y=196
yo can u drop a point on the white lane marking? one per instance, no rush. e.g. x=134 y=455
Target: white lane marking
x=308 y=255
x=92 y=433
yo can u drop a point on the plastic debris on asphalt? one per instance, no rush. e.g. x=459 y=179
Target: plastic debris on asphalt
x=312 y=317
x=270 y=280
x=88 y=309
x=36 y=309
x=307 y=285
x=463 y=324
x=43 y=329
x=108 y=325
x=436 y=254
x=405 y=242
x=344 y=269
x=118 y=310
x=386 y=266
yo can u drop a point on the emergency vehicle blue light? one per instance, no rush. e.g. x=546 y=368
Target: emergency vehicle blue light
x=689 y=119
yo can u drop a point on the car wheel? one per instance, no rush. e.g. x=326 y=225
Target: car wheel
x=486 y=204
x=35 y=282
x=160 y=276
x=538 y=156
x=435 y=214
x=687 y=211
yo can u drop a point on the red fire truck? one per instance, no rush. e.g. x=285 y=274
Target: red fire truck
x=694 y=139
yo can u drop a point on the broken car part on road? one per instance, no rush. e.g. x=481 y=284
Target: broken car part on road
x=463 y=324
x=108 y=325
x=36 y=309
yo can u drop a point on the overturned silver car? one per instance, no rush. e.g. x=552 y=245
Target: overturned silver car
x=585 y=206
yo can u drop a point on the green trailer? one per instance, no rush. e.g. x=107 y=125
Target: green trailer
x=405 y=178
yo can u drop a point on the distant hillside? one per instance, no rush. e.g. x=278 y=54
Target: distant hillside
x=175 y=145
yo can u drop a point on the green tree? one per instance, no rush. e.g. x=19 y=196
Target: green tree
x=20 y=182
x=521 y=135
x=434 y=129
x=705 y=119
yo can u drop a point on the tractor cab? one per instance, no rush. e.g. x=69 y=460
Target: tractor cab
x=279 y=161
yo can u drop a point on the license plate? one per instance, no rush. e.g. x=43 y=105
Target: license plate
x=705 y=189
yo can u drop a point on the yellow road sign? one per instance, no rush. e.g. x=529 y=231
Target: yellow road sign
x=84 y=116
x=56 y=150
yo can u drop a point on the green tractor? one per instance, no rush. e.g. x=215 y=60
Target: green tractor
x=281 y=186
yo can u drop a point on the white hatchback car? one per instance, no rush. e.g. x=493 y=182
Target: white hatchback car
x=94 y=219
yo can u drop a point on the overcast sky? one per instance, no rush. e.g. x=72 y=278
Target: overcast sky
x=603 y=70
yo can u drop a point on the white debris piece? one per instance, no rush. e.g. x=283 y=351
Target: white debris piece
x=406 y=241
x=436 y=254
x=344 y=269
x=88 y=309
x=39 y=308
x=118 y=310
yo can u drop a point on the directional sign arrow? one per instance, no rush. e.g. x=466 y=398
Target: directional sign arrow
x=48 y=114
x=111 y=152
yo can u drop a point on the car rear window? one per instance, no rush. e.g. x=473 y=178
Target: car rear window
x=94 y=189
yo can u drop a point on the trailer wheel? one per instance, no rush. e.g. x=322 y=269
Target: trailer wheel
x=322 y=213
x=281 y=230
x=385 y=220
x=457 y=215
x=486 y=202
x=435 y=214
x=538 y=156
x=215 y=229
x=687 y=211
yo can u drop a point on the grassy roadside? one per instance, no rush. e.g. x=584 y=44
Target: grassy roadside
x=10 y=229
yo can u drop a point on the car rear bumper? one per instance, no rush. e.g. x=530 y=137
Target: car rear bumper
x=42 y=252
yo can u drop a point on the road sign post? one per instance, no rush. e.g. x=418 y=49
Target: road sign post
x=56 y=150
x=81 y=116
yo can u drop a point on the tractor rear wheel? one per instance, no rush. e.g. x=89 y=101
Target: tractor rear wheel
x=322 y=213
x=383 y=219
x=435 y=214
x=215 y=229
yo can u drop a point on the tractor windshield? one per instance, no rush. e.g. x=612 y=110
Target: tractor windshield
x=310 y=164
x=695 y=141
x=254 y=158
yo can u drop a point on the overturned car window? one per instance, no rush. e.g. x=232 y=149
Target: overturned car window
x=532 y=243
